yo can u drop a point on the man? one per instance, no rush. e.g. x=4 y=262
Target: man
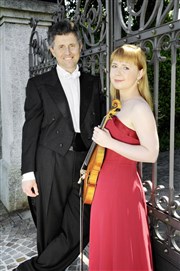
x=61 y=109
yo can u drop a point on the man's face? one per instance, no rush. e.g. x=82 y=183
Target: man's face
x=66 y=49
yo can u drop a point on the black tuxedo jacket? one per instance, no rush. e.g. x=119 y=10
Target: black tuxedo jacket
x=48 y=119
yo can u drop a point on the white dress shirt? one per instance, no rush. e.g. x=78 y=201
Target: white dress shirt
x=71 y=85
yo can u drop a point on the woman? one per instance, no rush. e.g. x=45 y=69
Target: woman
x=119 y=234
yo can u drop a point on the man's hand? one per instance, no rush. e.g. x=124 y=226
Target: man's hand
x=30 y=188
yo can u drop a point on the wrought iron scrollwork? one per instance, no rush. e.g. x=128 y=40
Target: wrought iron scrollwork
x=92 y=24
x=164 y=215
x=40 y=59
x=130 y=11
x=60 y=12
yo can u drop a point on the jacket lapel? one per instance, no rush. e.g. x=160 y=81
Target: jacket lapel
x=85 y=95
x=56 y=92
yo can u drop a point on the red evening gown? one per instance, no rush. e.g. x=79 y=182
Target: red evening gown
x=119 y=234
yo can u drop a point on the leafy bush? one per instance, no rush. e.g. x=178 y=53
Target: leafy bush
x=165 y=101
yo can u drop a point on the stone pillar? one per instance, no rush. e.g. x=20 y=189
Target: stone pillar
x=15 y=33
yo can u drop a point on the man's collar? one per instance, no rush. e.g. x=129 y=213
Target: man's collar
x=64 y=74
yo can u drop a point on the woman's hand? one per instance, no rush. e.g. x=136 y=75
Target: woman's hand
x=101 y=137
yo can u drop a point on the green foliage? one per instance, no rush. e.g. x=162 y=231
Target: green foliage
x=165 y=101
x=70 y=8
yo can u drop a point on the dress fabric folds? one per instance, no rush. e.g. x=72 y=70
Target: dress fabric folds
x=119 y=232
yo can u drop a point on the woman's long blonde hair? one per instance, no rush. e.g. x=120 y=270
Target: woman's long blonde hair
x=133 y=54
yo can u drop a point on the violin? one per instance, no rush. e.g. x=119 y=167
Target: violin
x=93 y=161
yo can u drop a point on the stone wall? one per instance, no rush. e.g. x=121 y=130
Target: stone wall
x=15 y=32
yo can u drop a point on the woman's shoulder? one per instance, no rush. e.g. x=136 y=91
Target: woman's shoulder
x=139 y=104
x=141 y=112
x=140 y=109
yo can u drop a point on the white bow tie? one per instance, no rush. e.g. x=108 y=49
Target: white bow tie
x=73 y=75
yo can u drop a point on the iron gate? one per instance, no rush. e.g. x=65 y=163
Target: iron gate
x=155 y=26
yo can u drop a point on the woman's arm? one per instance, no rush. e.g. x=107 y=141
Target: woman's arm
x=143 y=123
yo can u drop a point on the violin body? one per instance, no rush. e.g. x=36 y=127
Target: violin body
x=92 y=164
x=92 y=174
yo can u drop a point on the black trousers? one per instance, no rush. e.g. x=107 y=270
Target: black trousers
x=58 y=211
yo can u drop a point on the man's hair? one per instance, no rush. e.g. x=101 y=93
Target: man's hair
x=62 y=28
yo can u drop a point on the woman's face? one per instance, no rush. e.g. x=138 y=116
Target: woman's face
x=124 y=75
